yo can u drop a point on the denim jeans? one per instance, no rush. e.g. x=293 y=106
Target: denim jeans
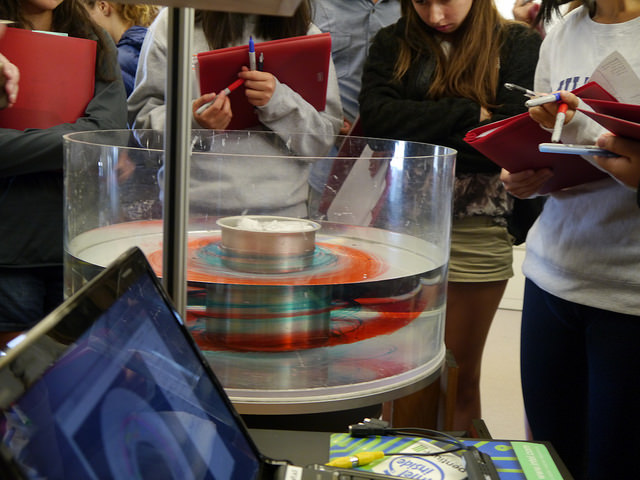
x=27 y=295
x=581 y=383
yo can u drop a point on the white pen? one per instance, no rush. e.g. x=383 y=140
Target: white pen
x=202 y=108
x=557 y=128
x=534 y=102
x=225 y=91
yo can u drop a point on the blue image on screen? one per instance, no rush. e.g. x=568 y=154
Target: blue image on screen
x=129 y=399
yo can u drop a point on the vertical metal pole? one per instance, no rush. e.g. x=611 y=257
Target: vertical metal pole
x=177 y=145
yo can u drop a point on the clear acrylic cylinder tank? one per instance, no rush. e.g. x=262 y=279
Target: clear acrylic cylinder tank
x=301 y=299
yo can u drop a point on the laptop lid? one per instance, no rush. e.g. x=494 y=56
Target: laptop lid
x=110 y=385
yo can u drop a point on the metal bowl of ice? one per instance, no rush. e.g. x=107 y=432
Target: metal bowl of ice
x=268 y=235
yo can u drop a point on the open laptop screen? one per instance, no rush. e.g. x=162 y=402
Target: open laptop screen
x=128 y=398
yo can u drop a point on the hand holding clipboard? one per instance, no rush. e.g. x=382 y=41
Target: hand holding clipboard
x=513 y=144
x=301 y=62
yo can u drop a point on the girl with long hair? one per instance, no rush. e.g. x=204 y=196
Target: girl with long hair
x=433 y=76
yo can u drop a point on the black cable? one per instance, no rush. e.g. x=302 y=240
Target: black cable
x=478 y=465
x=430 y=454
x=379 y=427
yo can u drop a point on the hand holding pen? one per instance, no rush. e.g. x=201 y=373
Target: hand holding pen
x=224 y=92
x=554 y=114
x=213 y=114
x=200 y=108
x=555 y=101
x=259 y=86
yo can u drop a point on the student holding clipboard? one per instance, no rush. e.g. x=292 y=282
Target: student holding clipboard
x=581 y=311
x=431 y=77
x=31 y=162
x=261 y=185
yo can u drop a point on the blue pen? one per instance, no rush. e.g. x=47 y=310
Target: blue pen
x=252 y=55
x=534 y=102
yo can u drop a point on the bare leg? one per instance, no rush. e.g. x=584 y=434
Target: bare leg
x=470 y=311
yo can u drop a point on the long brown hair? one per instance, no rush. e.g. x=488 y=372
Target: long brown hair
x=471 y=67
x=224 y=28
x=72 y=18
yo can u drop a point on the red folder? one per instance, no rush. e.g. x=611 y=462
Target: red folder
x=512 y=143
x=622 y=119
x=57 y=78
x=302 y=63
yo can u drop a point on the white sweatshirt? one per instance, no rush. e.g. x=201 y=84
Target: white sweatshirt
x=585 y=247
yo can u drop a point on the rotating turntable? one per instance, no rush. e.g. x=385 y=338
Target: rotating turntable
x=329 y=316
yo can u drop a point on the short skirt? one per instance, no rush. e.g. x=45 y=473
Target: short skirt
x=481 y=251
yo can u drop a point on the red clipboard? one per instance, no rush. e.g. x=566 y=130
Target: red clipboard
x=57 y=78
x=512 y=143
x=302 y=63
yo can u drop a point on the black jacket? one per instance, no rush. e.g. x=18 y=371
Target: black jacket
x=31 y=179
x=400 y=111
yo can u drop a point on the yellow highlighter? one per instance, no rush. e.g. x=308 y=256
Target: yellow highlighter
x=355 y=460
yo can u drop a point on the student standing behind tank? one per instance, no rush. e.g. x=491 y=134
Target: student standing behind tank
x=270 y=184
x=31 y=180
x=127 y=25
x=431 y=77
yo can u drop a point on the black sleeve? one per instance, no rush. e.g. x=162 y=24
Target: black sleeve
x=518 y=61
x=397 y=109
x=40 y=150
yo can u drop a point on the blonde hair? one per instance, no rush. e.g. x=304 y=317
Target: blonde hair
x=470 y=69
x=141 y=15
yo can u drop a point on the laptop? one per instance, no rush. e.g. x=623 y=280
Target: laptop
x=111 y=385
